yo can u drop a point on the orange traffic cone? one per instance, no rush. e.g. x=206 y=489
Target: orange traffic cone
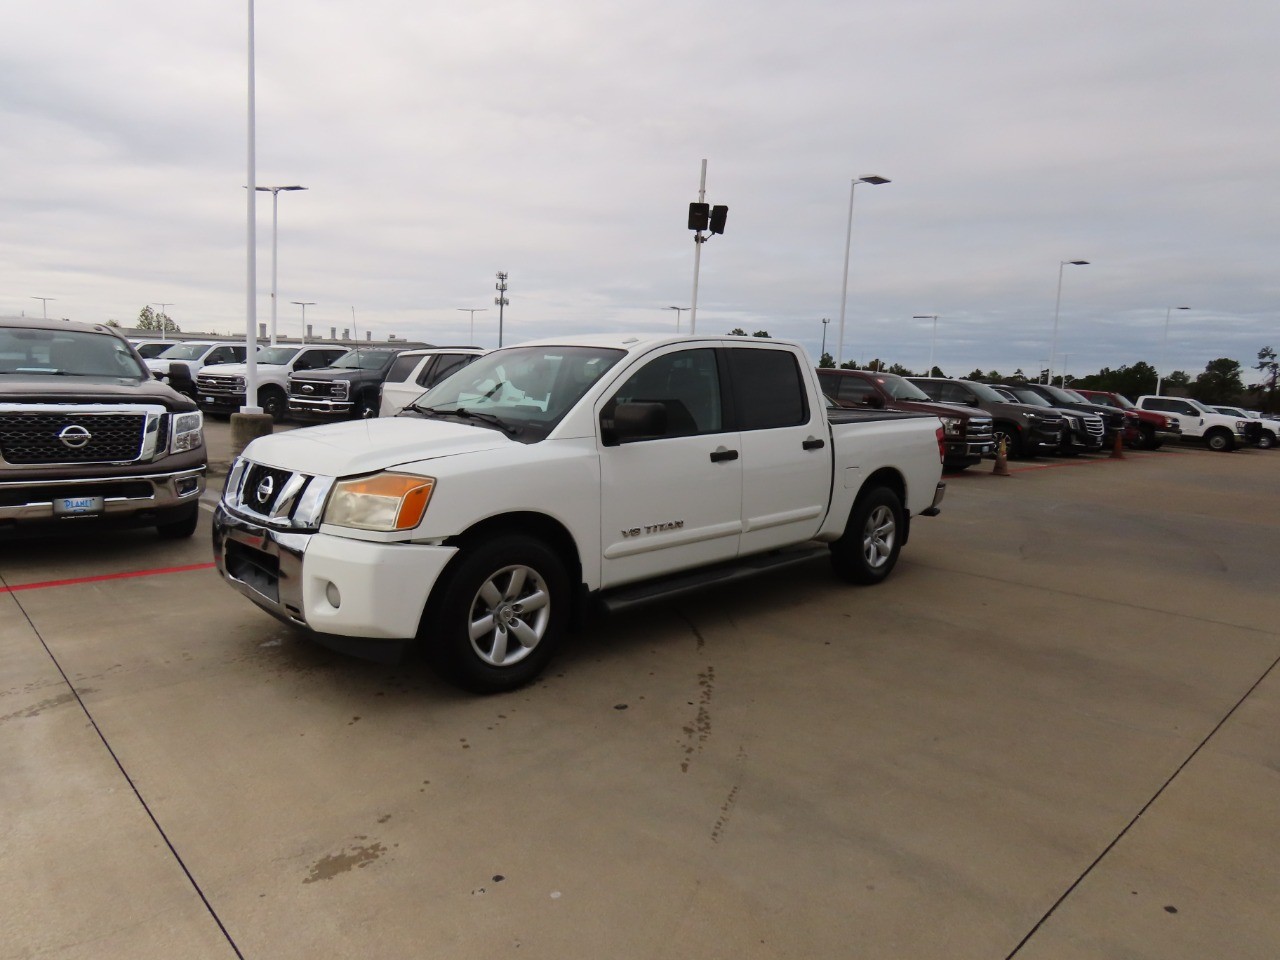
x=1117 y=451
x=1001 y=469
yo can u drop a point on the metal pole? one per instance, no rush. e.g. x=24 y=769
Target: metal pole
x=163 y=334
x=932 y=344
x=844 y=286
x=1164 y=353
x=1053 y=348
x=825 y=322
x=304 y=304
x=251 y=271
x=697 y=256
x=275 y=233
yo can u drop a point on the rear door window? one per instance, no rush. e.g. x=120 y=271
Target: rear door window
x=768 y=388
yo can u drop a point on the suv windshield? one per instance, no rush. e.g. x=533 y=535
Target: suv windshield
x=277 y=356
x=186 y=351
x=984 y=393
x=1028 y=396
x=67 y=353
x=524 y=390
x=1060 y=395
x=365 y=359
x=901 y=389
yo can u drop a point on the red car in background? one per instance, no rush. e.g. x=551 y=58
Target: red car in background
x=1152 y=429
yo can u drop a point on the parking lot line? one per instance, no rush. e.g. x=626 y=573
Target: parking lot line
x=158 y=571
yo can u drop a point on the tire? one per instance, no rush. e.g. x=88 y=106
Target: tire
x=181 y=528
x=1267 y=440
x=872 y=539
x=1012 y=439
x=1220 y=440
x=366 y=407
x=274 y=402
x=501 y=614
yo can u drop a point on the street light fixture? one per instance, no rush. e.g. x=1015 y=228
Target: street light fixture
x=678 y=310
x=275 y=224
x=304 y=304
x=1053 y=347
x=1164 y=353
x=473 y=319
x=44 y=304
x=501 y=300
x=163 y=316
x=934 y=341
x=875 y=181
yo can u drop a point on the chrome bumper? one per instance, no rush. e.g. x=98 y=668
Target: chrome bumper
x=25 y=500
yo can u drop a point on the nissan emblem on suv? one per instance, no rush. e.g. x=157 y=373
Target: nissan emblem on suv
x=264 y=491
x=74 y=436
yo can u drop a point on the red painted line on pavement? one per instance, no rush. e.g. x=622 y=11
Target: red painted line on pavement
x=106 y=576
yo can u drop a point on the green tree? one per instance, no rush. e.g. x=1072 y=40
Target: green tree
x=876 y=366
x=114 y=323
x=1179 y=379
x=975 y=374
x=849 y=365
x=1221 y=382
x=160 y=321
x=900 y=370
x=736 y=332
x=827 y=361
x=1269 y=367
x=762 y=334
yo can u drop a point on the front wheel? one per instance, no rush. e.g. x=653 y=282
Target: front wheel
x=1267 y=441
x=273 y=402
x=500 y=615
x=1012 y=440
x=366 y=407
x=1221 y=441
x=872 y=539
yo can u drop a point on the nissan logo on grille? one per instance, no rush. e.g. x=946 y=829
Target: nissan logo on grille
x=74 y=436
x=265 y=489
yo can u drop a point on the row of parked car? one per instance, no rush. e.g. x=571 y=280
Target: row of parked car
x=1034 y=419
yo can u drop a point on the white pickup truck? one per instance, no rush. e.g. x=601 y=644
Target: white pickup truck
x=611 y=468
x=1219 y=431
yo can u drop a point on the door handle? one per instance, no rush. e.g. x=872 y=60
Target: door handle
x=813 y=443
x=722 y=454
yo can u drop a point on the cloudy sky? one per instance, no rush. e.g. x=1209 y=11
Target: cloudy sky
x=561 y=142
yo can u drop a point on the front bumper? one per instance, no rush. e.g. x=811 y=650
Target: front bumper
x=219 y=402
x=381 y=588
x=320 y=408
x=23 y=501
x=967 y=452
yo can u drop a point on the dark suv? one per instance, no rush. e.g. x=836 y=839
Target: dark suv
x=87 y=434
x=1027 y=430
x=967 y=432
x=347 y=389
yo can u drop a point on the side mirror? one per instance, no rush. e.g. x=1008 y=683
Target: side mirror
x=636 y=421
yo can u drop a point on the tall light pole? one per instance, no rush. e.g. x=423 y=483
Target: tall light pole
x=848 y=238
x=251 y=241
x=304 y=304
x=678 y=310
x=933 y=342
x=1164 y=353
x=1053 y=346
x=163 y=316
x=473 y=319
x=44 y=305
x=825 y=322
x=275 y=230
x=501 y=300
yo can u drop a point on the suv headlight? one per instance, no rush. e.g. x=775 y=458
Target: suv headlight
x=953 y=426
x=1072 y=422
x=1032 y=417
x=187 y=431
x=383 y=501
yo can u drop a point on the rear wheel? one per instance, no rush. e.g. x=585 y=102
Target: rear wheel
x=366 y=407
x=872 y=539
x=500 y=614
x=273 y=401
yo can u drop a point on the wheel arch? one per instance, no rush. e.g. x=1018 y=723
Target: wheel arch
x=537 y=525
x=892 y=479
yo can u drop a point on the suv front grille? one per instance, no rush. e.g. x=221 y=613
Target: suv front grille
x=71 y=437
x=1093 y=423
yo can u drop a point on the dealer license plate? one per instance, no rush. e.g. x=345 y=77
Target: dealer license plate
x=208 y=399
x=76 y=506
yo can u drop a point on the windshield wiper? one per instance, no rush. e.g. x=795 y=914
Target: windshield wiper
x=463 y=413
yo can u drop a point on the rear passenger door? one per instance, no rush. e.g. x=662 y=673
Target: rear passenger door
x=786 y=452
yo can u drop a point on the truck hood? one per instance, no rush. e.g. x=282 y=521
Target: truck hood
x=238 y=369
x=364 y=446
x=18 y=388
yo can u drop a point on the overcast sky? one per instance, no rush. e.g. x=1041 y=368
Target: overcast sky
x=561 y=142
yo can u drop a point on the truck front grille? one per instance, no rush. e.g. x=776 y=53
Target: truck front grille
x=71 y=437
x=278 y=498
x=981 y=428
x=208 y=383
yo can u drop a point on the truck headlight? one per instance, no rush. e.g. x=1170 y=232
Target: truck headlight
x=187 y=431
x=240 y=385
x=953 y=426
x=341 y=389
x=384 y=501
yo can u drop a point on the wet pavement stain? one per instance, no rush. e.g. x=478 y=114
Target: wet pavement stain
x=326 y=868
x=698 y=732
x=38 y=708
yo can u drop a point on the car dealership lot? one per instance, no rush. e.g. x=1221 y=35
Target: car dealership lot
x=1050 y=735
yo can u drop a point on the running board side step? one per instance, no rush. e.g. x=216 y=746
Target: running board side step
x=623 y=598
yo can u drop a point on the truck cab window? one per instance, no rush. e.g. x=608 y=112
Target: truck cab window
x=687 y=384
x=768 y=388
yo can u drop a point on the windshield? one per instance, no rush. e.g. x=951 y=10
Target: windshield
x=149 y=350
x=1060 y=395
x=1027 y=396
x=983 y=392
x=901 y=389
x=185 y=351
x=1077 y=397
x=365 y=359
x=529 y=389
x=277 y=356
x=67 y=353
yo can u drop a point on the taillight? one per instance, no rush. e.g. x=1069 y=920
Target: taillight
x=942 y=444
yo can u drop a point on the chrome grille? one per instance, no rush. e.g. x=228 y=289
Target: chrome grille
x=980 y=428
x=276 y=497
x=317 y=389
x=71 y=437
x=1093 y=423
x=214 y=384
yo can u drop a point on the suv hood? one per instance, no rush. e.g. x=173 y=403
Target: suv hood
x=44 y=389
x=365 y=446
x=938 y=408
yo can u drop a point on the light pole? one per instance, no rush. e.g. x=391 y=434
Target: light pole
x=1053 y=346
x=932 y=342
x=848 y=238
x=501 y=300
x=825 y=321
x=44 y=305
x=473 y=319
x=1164 y=353
x=163 y=316
x=304 y=304
x=678 y=310
x=250 y=407
x=275 y=225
